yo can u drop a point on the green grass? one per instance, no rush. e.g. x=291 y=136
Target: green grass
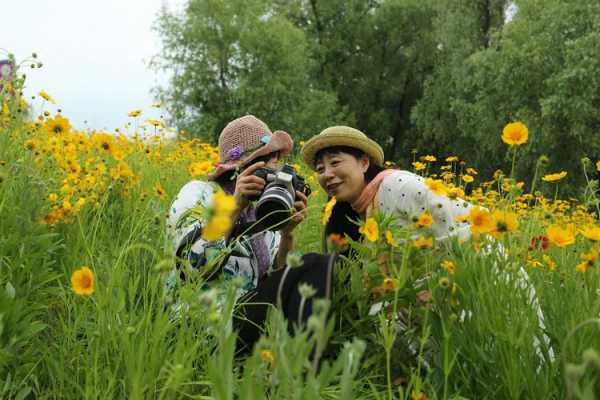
x=121 y=342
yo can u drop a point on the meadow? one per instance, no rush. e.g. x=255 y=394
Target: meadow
x=83 y=260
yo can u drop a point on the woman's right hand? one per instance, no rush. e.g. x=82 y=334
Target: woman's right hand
x=247 y=185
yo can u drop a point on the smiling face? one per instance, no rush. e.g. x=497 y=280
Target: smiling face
x=342 y=174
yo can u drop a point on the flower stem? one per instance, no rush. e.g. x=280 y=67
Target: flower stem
x=512 y=168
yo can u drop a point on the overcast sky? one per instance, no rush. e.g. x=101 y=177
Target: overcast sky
x=95 y=55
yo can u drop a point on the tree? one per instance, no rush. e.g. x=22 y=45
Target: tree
x=462 y=28
x=539 y=68
x=234 y=57
x=374 y=55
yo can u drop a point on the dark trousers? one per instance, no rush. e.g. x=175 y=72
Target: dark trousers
x=316 y=271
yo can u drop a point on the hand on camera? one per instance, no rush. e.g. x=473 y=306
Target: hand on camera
x=300 y=212
x=248 y=185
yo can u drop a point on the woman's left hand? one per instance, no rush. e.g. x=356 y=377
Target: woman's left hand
x=300 y=212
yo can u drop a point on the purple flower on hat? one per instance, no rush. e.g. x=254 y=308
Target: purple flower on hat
x=234 y=153
x=265 y=139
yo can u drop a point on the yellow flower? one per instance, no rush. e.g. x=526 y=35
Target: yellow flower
x=561 y=237
x=591 y=232
x=533 y=262
x=158 y=189
x=199 y=168
x=154 y=122
x=44 y=95
x=467 y=178
x=224 y=204
x=455 y=192
x=549 y=262
x=436 y=186
x=588 y=260
x=157 y=104
x=505 y=221
x=591 y=256
x=389 y=238
x=57 y=125
x=216 y=228
x=481 y=220
x=598 y=166
x=423 y=242
x=390 y=283
x=451 y=159
x=103 y=141
x=134 y=113
x=52 y=197
x=429 y=158
x=31 y=144
x=419 y=165
x=582 y=267
x=267 y=356
x=471 y=171
x=554 y=177
x=417 y=395
x=370 y=230
x=424 y=220
x=515 y=133
x=80 y=203
x=118 y=154
x=448 y=266
x=82 y=281
x=328 y=210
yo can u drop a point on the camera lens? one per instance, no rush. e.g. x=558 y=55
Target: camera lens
x=274 y=207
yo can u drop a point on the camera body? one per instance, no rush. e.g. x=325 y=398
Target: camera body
x=275 y=204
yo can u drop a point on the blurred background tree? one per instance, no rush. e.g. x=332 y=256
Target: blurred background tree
x=230 y=58
x=439 y=76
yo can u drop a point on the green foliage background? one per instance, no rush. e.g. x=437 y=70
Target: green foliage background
x=438 y=76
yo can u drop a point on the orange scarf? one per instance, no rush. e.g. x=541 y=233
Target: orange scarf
x=368 y=194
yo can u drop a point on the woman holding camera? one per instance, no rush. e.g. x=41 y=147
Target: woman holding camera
x=259 y=253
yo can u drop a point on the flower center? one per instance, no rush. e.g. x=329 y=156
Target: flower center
x=85 y=282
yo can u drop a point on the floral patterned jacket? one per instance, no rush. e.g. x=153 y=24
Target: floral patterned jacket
x=186 y=218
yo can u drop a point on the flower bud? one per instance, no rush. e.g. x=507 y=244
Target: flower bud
x=444 y=282
x=590 y=356
x=293 y=260
x=306 y=290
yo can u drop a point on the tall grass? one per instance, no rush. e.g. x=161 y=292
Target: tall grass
x=477 y=336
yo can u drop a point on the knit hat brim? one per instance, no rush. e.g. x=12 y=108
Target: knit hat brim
x=280 y=141
x=341 y=136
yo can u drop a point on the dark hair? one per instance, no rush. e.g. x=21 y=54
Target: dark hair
x=343 y=214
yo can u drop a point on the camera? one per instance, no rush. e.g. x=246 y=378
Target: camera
x=275 y=204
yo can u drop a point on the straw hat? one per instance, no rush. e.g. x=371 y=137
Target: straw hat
x=246 y=138
x=341 y=136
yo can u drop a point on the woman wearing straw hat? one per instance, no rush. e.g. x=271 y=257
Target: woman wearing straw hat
x=258 y=256
x=350 y=167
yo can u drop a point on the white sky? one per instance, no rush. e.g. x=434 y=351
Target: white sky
x=95 y=55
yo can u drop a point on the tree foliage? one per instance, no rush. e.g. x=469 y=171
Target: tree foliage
x=440 y=76
x=540 y=68
x=234 y=57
